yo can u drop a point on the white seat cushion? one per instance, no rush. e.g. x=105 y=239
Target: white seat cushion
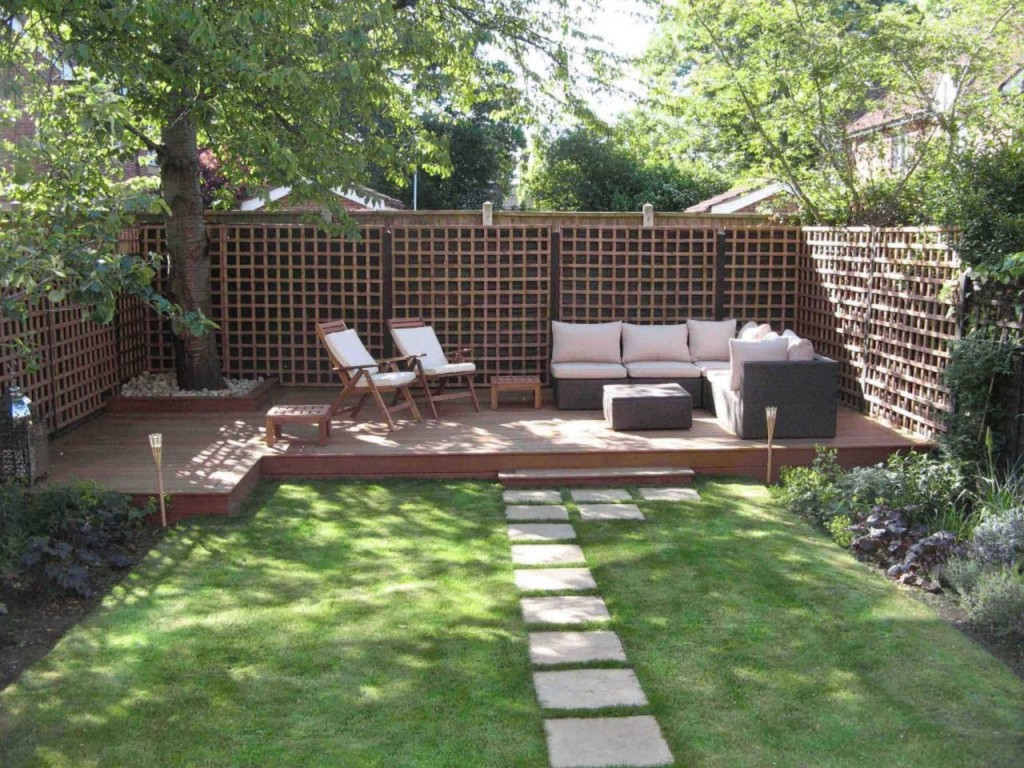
x=709 y=339
x=389 y=379
x=450 y=369
x=588 y=371
x=349 y=351
x=421 y=342
x=663 y=369
x=585 y=342
x=641 y=343
x=709 y=366
x=741 y=351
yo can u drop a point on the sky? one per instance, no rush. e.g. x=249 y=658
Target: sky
x=618 y=23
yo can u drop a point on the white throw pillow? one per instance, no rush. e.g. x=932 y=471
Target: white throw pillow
x=709 y=339
x=643 y=343
x=753 y=332
x=800 y=349
x=742 y=351
x=585 y=342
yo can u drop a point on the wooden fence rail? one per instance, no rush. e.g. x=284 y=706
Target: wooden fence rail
x=881 y=302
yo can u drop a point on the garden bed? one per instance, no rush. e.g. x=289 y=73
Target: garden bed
x=258 y=399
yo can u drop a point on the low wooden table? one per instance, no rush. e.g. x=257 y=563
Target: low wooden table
x=515 y=384
x=298 y=414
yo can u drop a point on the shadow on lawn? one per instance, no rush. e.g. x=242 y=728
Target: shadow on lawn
x=341 y=624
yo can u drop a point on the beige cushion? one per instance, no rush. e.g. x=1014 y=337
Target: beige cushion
x=664 y=369
x=349 y=351
x=588 y=371
x=389 y=379
x=585 y=342
x=799 y=349
x=709 y=339
x=450 y=369
x=421 y=342
x=754 y=332
x=742 y=351
x=707 y=367
x=642 y=343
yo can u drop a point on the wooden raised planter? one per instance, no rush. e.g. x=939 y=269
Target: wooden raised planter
x=258 y=399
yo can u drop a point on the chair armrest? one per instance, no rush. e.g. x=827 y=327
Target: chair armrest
x=806 y=392
x=463 y=355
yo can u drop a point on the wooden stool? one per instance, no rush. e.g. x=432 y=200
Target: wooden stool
x=298 y=414
x=515 y=384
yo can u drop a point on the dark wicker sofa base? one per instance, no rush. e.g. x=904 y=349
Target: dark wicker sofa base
x=588 y=394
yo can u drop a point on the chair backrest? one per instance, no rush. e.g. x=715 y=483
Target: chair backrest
x=413 y=337
x=344 y=348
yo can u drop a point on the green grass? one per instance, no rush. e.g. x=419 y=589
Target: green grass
x=360 y=624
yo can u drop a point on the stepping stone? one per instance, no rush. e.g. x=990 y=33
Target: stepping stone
x=554 y=579
x=610 y=512
x=541 y=532
x=547 y=554
x=669 y=494
x=532 y=497
x=574 y=647
x=595 y=742
x=601 y=494
x=570 y=609
x=518 y=513
x=588 y=689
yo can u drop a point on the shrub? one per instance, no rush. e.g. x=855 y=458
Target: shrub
x=1000 y=539
x=814 y=491
x=996 y=603
x=961 y=574
x=14 y=507
x=839 y=528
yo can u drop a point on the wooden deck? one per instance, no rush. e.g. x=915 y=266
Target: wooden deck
x=213 y=461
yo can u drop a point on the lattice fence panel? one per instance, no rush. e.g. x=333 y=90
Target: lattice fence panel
x=483 y=288
x=37 y=383
x=275 y=281
x=639 y=275
x=762 y=274
x=83 y=365
x=159 y=350
x=911 y=325
x=833 y=301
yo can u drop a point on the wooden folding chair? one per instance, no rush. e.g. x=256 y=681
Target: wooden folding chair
x=417 y=340
x=363 y=375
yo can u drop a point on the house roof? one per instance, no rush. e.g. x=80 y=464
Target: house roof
x=361 y=197
x=739 y=198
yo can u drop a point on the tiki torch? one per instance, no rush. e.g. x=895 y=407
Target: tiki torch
x=156 y=442
x=770 y=414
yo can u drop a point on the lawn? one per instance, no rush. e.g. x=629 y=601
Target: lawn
x=360 y=624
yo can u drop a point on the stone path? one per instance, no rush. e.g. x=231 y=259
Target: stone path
x=580 y=742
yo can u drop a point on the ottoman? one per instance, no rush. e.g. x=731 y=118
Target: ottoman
x=647 y=406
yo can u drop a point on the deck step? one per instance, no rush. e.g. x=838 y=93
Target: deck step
x=597 y=476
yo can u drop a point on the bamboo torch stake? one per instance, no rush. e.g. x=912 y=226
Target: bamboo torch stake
x=770 y=414
x=156 y=445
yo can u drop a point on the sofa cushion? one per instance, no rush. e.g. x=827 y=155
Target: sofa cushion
x=588 y=371
x=753 y=332
x=707 y=366
x=709 y=339
x=662 y=369
x=642 y=343
x=741 y=351
x=585 y=342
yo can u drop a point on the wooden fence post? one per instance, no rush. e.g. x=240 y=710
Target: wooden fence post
x=387 y=287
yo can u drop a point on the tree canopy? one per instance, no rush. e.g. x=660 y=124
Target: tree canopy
x=774 y=85
x=583 y=170
x=304 y=93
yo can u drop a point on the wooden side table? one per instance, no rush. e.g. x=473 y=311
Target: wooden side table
x=515 y=384
x=299 y=414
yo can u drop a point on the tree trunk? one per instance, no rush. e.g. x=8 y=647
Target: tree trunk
x=197 y=360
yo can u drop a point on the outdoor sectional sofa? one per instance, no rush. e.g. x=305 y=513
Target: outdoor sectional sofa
x=734 y=378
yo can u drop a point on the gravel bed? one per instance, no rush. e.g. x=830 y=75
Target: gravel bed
x=165 y=385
